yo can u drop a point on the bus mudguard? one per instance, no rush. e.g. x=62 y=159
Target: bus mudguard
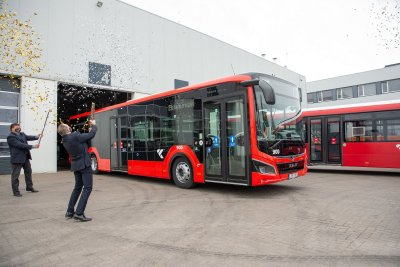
x=185 y=151
x=103 y=164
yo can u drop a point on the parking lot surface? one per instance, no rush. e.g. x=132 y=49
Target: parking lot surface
x=322 y=219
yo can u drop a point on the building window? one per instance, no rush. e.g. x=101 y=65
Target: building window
x=343 y=93
x=319 y=96
x=384 y=87
x=310 y=98
x=327 y=95
x=366 y=89
x=9 y=111
x=390 y=86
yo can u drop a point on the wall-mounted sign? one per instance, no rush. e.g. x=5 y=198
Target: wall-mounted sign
x=99 y=74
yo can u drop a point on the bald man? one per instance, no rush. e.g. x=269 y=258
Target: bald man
x=76 y=145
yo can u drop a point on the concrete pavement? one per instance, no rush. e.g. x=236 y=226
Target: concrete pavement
x=325 y=218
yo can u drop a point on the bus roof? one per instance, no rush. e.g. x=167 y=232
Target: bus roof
x=236 y=78
x=353 y=108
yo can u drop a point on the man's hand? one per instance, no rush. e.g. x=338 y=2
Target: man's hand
x=36 y=146
x=92 y=122
x=39 y=136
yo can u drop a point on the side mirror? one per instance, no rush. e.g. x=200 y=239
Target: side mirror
x=268 y=92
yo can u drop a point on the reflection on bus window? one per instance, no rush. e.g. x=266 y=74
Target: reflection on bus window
x=373 y=130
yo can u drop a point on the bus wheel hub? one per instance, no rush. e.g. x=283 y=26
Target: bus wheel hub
x=182 y=172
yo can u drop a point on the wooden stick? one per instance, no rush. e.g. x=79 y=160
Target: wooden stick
x=92 y=108
x=45 y=122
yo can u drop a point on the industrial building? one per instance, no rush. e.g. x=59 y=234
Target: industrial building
x=364 y=87
x=106 y=52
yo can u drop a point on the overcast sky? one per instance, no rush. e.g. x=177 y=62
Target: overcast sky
x=316 y=38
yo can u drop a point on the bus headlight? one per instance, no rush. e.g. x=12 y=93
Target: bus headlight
x=263 y=167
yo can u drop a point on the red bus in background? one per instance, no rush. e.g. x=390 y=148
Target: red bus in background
x=359 y=135
x=242 y=130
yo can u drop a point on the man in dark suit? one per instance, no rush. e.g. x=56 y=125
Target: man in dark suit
x=20 y=156
x=76 y=145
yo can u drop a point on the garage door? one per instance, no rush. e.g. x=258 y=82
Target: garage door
x=9 y=113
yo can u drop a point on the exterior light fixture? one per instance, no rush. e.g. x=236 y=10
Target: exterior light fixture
x=99 y=4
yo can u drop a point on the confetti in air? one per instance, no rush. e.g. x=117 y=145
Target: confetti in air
x=20 y=45
x=386 y=19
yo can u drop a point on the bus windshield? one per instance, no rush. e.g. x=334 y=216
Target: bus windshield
x=282 y=120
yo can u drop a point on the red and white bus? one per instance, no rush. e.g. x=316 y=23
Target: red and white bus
x=243 y=130
x=358 y=135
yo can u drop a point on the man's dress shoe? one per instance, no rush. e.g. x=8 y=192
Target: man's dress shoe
x=82 y=218
x=69 y=215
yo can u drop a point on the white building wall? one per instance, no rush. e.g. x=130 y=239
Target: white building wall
x=146 y=52
x=355 y=79
x=37 y=98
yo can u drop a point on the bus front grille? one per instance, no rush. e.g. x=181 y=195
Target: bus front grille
x=290 y=166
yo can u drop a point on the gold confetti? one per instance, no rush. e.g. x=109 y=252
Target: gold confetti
x=20 y=45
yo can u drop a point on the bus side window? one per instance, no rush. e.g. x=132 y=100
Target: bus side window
x=138 y=133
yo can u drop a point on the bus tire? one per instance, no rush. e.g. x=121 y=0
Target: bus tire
x=182 y=173
x=94 y=164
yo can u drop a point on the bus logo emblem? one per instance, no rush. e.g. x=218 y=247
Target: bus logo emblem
x=398 y=146
x=159 y=152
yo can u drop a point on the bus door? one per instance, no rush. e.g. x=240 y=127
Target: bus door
x=226 y=140
x=120 y=142
x=315 y=139
x=333 y=140
x=325 y=140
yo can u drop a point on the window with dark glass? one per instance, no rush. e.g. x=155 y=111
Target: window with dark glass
x=4 y=131
x=367 y=89
x=4 y=149
x=9 y=99
x=372 y=127
x=390 y=86
x=358 y=131
x=9 y=111
x=343 y=93
x=393 y=130
x=310 y=98
x=320 y=97
x=384 y=87
x=167 y=121
x=327 y=95
x=139 y=132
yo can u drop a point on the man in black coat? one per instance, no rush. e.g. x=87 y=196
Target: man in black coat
x=76 y=145
x=20 y=156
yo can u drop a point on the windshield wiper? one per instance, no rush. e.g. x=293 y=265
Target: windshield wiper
x=277 y=143
x=284 y=121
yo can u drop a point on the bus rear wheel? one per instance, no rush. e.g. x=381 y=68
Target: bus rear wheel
x=182 y=173
x=94 y=164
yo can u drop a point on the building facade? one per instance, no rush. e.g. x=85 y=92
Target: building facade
x=364 y=87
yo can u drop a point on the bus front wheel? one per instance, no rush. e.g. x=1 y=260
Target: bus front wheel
x=94 y=164
x=182 y=173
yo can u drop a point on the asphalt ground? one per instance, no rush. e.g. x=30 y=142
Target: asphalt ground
x=322 y=219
